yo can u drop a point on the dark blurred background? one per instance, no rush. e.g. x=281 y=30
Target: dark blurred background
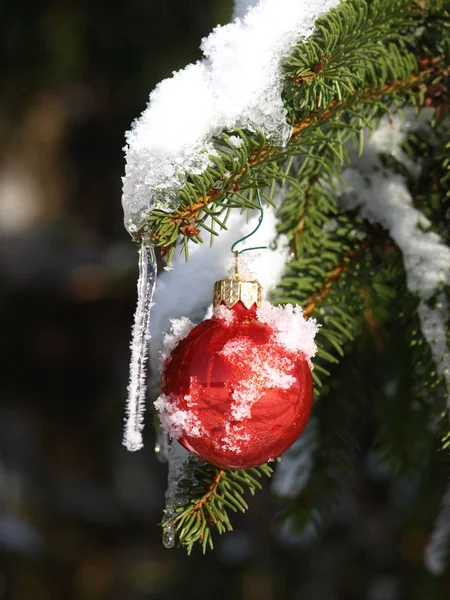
x=78 y=514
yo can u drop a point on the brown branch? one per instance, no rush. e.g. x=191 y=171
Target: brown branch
x=212 y=490
x=197 y=507
x=318 y=297
x=371 y=94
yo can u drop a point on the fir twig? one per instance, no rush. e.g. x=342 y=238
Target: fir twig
x=218 y=492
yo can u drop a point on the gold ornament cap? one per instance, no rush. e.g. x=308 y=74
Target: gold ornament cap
x=234 y=289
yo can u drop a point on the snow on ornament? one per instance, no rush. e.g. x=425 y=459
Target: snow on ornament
x=237 y=389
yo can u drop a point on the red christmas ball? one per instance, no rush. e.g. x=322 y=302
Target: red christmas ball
x=234 y=392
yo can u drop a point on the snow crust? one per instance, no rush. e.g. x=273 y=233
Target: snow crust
x=237 y=84
x=262 y=367
x=291 y=329
x=236 y=141
x=179 y=329
x=178 y=422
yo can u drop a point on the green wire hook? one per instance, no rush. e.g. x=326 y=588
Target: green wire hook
x=260 y=220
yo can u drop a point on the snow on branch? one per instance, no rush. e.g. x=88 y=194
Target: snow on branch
x=384 y=198
x=237 y=84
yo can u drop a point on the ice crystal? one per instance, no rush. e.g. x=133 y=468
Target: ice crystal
x=224 y=314
x=264 y=368
x=291 y=329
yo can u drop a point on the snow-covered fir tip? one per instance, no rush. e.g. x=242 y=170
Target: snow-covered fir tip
x=238 y=84
x=383 y=197
x=139 y=349
x=437 y=551
x=236 y=141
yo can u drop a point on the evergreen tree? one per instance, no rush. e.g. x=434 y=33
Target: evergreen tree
x=365 y=207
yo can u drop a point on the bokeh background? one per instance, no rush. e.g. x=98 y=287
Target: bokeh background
x=78 y=514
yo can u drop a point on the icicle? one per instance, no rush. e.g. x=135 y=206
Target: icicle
x=180 y=467
x=162 y=446
x=168 y=536
x=139 y=349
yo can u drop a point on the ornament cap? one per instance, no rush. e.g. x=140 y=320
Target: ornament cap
x=234 y=289
x=231 y=291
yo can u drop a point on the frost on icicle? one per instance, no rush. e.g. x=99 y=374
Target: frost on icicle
x=137 y=387
x=295 y=468
x=437 y=551
x=238 y=84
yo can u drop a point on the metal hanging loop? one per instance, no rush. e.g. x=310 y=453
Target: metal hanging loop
x=260 y=220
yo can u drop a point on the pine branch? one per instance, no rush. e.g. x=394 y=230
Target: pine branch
x=341 y=414
x=218 y=492
x=411 y=393
x=362 y=61
x=327 y=110
x=351 y=303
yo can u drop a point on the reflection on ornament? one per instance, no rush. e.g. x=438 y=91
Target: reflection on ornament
x=237 y=391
